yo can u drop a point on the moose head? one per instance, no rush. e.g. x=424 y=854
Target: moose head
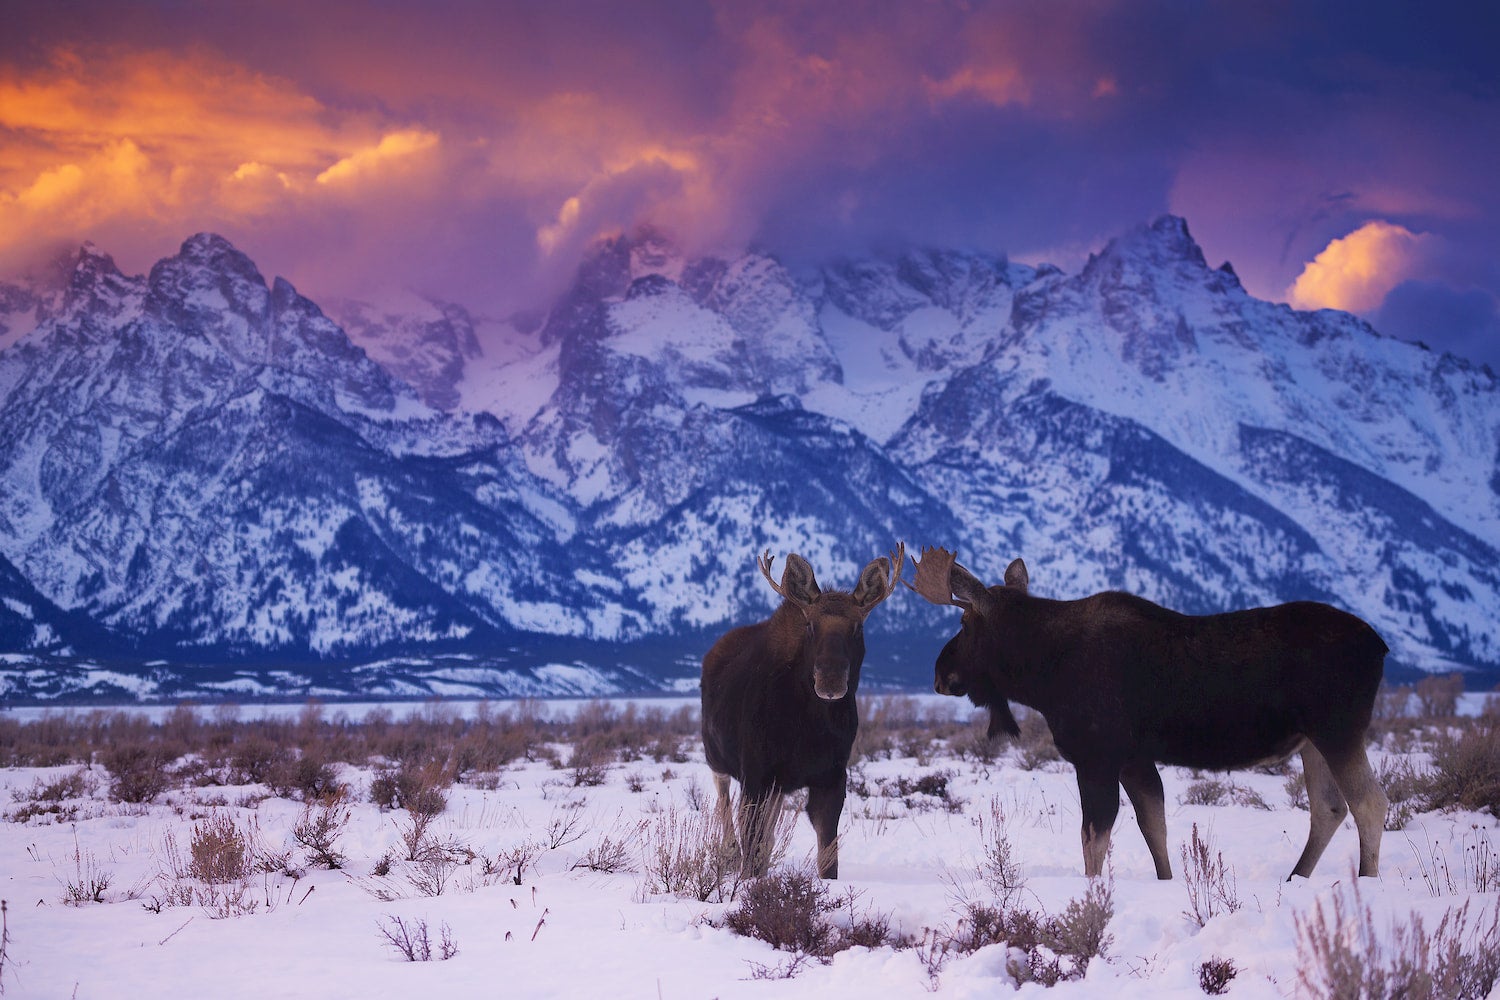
x=834 y=621
x=961 y=666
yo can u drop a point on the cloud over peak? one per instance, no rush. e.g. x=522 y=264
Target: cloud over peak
x=1357 y=271
x=472 y=151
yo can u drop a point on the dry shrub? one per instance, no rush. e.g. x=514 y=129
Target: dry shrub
x=4 y=940
x=1341 y=953
x=432 y=871
x=88 y=882
x=1295 y=787
x=219 y=851
x=1051 y=949
x=1407 y=789
x=1034 y=747
x=920 y=793
x=973 y=741
x=318 y=830
x=138 y=770
x=414 y=942
x=1392 y=703
x=786 y=909
x=604 y=732
x=1466 y=767
x=307 y=777
x=1437 y=697
x=1222 y=791
x=589 y=763
x=76 y=784
x=514 y=862
x=420 y=789
x=789 y=910
x=56 y=799
x=612 y=853
x=257 y=759
x=1210 y=883
x=1215 y=975
x=999 y=870
x=683 y=855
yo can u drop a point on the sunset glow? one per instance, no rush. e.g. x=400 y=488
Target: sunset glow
x=1356 y=272
x=517 y=134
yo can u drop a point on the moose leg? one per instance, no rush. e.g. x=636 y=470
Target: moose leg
x=824 y=806
x=1143 y=784
x=1367 y=801
x=1099 y=795
x=722 y=812
x=758 y=816
x=1326 y=804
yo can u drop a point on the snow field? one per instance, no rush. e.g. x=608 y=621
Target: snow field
x=568 y=931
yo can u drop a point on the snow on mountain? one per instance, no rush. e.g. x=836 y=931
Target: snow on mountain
x=424 y=343
x=31 y=624
x=1197 y=359
x=1147 y=425
x=205 y=461
x=208 y=464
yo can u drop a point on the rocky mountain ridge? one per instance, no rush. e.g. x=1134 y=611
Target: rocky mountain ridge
x=207 y=470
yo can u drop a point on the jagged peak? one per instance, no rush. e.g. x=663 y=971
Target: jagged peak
x=214 y=251
x=93 y=261
x=92 y=274
x=1163 y=241
x=1156 y=252
x=90 y=249
x=209 y=260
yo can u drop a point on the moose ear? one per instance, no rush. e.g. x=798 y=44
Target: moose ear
x=797 y=580
x=1016 y=576
x=874 y=584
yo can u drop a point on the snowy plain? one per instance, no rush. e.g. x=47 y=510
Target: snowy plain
x=568 y=931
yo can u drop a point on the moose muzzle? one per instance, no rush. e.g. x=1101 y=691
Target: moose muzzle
x=831 y=682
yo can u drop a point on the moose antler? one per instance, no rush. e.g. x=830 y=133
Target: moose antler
x=764 y=562
x=877 y=582
x=898 y=568
x=934 y=575
x=943 y=581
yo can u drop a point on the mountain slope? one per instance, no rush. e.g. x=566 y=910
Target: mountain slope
x=206 y=461
x=203 y=462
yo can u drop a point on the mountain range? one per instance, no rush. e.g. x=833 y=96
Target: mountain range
x=209 y=485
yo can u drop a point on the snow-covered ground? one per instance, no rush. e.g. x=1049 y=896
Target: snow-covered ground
x=568 y=931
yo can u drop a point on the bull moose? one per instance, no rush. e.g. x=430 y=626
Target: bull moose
x=1126 y=684
x=778 y=705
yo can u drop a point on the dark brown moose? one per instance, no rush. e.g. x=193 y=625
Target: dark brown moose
x=1125 y=684
x=778 y=706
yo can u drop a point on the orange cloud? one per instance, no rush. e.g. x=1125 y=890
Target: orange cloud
x=997 y=85
x=187 y=104
x=1357 y=271
x=689 y=185
x=105 y=184
x=177 y=142
x=393 y=148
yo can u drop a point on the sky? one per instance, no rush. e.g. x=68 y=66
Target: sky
x=1339 y=155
